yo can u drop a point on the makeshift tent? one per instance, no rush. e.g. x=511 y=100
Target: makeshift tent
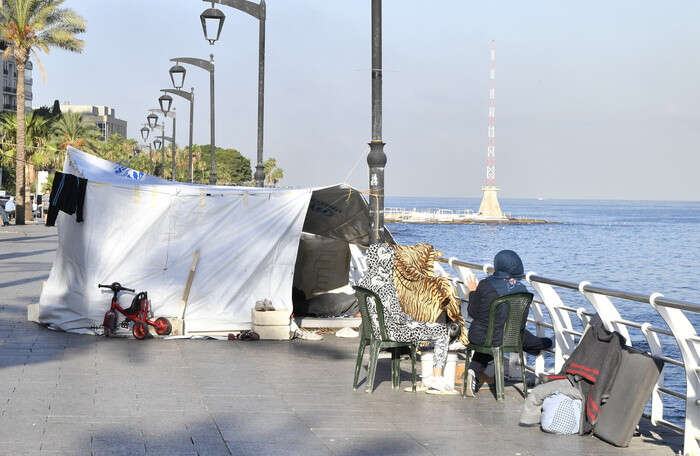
x=143 y=231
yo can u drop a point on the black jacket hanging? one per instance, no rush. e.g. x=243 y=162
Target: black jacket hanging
x=67 y=195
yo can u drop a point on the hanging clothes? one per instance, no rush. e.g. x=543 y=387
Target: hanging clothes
x=67 y=195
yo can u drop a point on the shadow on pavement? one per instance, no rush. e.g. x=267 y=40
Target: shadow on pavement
x=28 y=238
x=23 y=281
x=7 y=256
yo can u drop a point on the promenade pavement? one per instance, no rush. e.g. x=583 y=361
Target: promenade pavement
x=67 y=394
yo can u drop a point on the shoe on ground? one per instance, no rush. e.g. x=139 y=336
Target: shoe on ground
x=308 y=335
x=420 y=388
x=440 y=386
x=471 y=385
x=347 y=332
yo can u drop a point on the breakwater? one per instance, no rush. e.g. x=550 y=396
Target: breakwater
x=449 y=216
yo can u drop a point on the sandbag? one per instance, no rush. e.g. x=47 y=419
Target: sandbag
x=629 y=394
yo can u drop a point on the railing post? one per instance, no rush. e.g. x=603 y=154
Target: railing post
x=686 y=338
x=539 y=317
x=564 y=341
x=657 y=402
x=606 y=311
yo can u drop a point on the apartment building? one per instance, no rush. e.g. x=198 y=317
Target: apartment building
x=9 y=85
x=102 y=116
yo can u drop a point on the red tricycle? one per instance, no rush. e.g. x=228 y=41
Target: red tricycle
x=139 y=312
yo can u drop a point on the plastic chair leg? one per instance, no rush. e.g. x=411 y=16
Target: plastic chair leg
x=524 y=372
x=358 y=364
x=413 y=367
x=395 y=368
x=500 y=381
x=373 y=355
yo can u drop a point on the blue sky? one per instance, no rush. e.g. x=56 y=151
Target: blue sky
x=593 y=99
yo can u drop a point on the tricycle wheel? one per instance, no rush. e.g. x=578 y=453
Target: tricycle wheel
x=140 y=330
x=110 y=323
x=163 y=326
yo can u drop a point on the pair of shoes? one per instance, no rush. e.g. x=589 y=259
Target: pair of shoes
x=245 y=335
x=471 y=387
x=439 y=385
x=263 y=305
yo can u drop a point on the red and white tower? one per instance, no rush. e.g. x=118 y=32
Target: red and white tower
x=489 y=201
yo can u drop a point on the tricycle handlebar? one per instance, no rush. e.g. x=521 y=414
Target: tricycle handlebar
x=115 y=287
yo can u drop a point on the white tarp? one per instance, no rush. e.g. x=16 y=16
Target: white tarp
x=143 y=231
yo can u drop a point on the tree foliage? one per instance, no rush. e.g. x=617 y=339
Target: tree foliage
x=273 y=173
x=27 y=26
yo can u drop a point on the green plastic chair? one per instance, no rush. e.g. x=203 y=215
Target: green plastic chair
x=518 y=309
x=376 y=345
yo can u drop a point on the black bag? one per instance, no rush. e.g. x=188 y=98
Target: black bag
x=629 y=394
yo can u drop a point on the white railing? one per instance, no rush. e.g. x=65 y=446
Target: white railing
x=561 y=320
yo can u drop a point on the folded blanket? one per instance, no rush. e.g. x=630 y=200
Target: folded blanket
x=422 y=295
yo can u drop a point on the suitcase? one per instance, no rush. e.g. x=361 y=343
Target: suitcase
x=629 y=394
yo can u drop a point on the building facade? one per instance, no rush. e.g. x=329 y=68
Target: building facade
x=9 y=85
x=102 y=116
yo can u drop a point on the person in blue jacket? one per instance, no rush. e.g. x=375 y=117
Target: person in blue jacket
x=508 y=270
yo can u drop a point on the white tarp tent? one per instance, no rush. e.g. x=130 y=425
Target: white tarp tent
x=143 y=231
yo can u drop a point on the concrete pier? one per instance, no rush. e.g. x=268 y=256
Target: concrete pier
x=66 y=394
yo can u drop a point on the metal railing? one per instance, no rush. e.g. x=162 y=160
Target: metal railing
x=566 y=335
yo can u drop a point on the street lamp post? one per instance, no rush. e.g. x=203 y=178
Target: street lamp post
x=157 y=145
x=169 y=113
x=376 y=159
x=152 y=119
x=145 y=131
x=208 y=66
x=257 y=10
x=177 y=75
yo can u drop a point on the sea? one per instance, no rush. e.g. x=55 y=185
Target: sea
x=637 y=246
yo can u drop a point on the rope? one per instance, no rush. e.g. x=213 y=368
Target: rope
x=352 y=170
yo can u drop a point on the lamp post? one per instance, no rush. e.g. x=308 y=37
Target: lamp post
x=157 y=144
x=208 y=66
x=170 y=113
x=145 y=131
x=376 y=159
x=152 y=119
x=177 y=76
x=212 y=17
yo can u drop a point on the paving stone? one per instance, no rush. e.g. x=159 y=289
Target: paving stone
x=75 y=394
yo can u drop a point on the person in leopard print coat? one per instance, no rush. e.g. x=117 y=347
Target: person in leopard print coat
x=399 y=325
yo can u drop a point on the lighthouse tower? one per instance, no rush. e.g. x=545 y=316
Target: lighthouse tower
x=489 y=201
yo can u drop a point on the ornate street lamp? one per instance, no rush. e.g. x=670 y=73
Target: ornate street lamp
x=258 y=11
x=152 y=120
x=177 y=75
x=157 y=144
x=212 y=19
x=145 y=131
x=208 y=66
x=165 y=101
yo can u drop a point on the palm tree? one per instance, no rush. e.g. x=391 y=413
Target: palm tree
x=273 y=174
x=73 y=130
x=25 y=27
